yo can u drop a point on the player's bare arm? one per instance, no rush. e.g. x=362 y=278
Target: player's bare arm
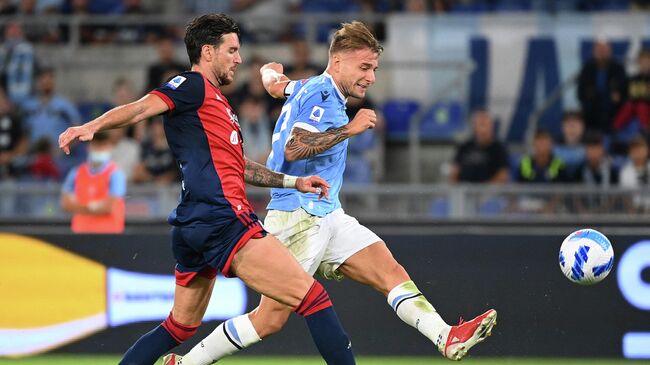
x=258 y=175
x=303 y=144
x=120 y=116
x=275 y=82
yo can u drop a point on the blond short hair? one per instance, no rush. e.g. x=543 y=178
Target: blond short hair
x=354 y=36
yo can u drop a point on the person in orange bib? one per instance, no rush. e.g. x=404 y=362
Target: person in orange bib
x=94 y=191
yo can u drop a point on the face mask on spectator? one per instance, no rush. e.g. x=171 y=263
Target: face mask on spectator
x=99 y=157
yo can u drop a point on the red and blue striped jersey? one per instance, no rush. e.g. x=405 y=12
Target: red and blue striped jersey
x=204 y=135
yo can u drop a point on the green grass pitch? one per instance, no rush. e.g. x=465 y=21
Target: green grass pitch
x=112 y=360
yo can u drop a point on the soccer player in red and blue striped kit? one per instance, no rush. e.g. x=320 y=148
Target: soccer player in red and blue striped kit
x=214 y=226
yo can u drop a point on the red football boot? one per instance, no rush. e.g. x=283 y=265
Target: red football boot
x=467 y=334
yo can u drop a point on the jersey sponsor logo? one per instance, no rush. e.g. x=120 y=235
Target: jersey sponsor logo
x=316 y=114
x=176 y=82
x=234 y=137
x=233 y=117
x=324 y=95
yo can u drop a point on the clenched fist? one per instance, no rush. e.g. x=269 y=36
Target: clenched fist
x=365 y=119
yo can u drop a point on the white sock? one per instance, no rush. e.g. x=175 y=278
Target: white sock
x=415 y=310
x=229 y=337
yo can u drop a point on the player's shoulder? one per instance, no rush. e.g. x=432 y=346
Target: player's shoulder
x=318 y=90
x=186 y=79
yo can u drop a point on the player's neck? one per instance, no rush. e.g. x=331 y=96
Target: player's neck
x=336 y=81
x=207 y=74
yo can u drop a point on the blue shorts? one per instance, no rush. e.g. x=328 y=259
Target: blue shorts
x=205 y=249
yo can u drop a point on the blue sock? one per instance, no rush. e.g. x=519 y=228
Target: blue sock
x=331 y=340
x=326 y=329
x=149 y=347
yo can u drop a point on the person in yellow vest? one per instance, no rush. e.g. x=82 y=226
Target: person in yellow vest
x=94 y=191
x=542 y=166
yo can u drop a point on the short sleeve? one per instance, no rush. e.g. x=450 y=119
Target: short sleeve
x=182 y=92
x=117 y=184
x=316 y=114
x=68 y=183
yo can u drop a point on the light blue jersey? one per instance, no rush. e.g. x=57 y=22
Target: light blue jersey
x=316 y=105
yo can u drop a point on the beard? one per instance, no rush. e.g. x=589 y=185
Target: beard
x=224 y=78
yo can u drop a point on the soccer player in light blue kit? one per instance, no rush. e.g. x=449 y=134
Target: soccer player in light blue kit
x=310 y=138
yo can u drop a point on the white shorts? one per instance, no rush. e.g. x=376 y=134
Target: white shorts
x=320 y=245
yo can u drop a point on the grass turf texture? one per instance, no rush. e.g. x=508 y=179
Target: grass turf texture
x=242 y=360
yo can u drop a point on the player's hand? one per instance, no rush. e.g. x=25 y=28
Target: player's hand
x=364 y=119
x=313 y=184
x=277 y=67
x=82 y=133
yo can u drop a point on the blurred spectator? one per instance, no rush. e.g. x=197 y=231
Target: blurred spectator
x=602 y=88
x=597 y=169
x=542 y=166
x=165 y=65
x=365 y=158
x=94 y=191
x=157 y=164
x=636 y=173
x=571 y=150
x=638 y=103
x=13 y=143
x=48 y=114
x=253 y=87
x=301 y=66
x=416 y=6
x=133 y=33
x=42 y=166
x=255 y=128
x=260 y=18
x=8 y=7
x=483 y=158
x=17 y=64
x=126 y=150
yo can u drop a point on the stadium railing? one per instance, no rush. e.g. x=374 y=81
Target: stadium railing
x=387 y=202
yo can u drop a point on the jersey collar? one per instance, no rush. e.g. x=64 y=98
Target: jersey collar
x=340 y=94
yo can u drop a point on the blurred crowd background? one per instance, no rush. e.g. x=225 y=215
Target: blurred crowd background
x=51 y=46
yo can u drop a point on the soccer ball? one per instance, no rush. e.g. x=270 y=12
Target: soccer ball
x=586 y=257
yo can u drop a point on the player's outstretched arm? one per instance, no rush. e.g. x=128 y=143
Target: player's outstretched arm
x=120 y=116
x=303 y=144
x=258 y=175
x=275 y=82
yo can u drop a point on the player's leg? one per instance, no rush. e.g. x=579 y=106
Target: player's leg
x=392 y=280
x=301 y=233
x=238 y=333
x=409 y=303
x=363 y=257
x=190 y=304
x=267 y=267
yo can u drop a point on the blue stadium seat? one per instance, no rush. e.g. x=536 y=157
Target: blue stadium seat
x=439 y=208
x=442 y=121
x=493 y=206
x=398 y=114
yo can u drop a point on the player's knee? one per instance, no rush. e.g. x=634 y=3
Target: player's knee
x=274 y=325
x=268 y=323
x=393 y=275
